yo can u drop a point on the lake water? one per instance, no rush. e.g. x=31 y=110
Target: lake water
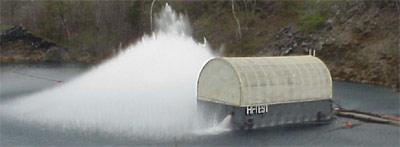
x=19 y=80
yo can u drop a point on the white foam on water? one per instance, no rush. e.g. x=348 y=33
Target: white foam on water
x=147 y=90
x=224 y=126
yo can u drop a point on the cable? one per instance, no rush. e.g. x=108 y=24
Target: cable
x=37 y=77
x=366 y=116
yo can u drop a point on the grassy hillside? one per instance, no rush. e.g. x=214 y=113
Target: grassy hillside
x=359 y=40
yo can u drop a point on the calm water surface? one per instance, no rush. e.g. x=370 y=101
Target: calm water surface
x=19 y=80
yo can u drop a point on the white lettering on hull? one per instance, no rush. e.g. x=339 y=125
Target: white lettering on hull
x=261 y=109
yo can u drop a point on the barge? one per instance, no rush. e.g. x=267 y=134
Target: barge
x=265 y=91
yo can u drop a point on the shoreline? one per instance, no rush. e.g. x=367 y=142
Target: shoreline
x=86 y=65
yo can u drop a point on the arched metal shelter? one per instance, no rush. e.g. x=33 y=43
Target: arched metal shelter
x=248 y=81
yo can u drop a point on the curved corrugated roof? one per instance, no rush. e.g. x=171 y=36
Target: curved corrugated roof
x=244 y=81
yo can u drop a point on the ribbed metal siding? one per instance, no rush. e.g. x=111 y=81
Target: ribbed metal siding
x=271 y=80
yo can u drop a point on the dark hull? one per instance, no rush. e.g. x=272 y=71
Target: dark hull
x=310 y=112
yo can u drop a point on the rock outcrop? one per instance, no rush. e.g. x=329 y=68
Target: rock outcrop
x=359 y=42
x=20 y=46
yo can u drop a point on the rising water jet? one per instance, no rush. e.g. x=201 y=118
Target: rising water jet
x=149 y=90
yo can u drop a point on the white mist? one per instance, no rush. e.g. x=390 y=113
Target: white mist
x=147 y=90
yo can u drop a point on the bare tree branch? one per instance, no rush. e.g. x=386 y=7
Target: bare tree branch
x=236 y=19
x=151 y=15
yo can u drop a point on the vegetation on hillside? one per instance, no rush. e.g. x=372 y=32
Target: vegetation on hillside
x=98 y=27
x=357 y=39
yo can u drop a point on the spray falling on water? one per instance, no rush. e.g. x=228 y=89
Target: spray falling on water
x=148 y=90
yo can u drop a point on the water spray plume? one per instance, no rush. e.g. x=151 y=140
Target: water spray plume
x=147 y=90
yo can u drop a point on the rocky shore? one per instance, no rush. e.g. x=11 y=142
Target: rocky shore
x=358 y=40
x=359 y=43
x=18 y=45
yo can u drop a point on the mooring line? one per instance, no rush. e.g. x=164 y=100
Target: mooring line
x=37 y=77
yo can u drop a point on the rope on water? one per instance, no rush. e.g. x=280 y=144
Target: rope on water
x=37 y=77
